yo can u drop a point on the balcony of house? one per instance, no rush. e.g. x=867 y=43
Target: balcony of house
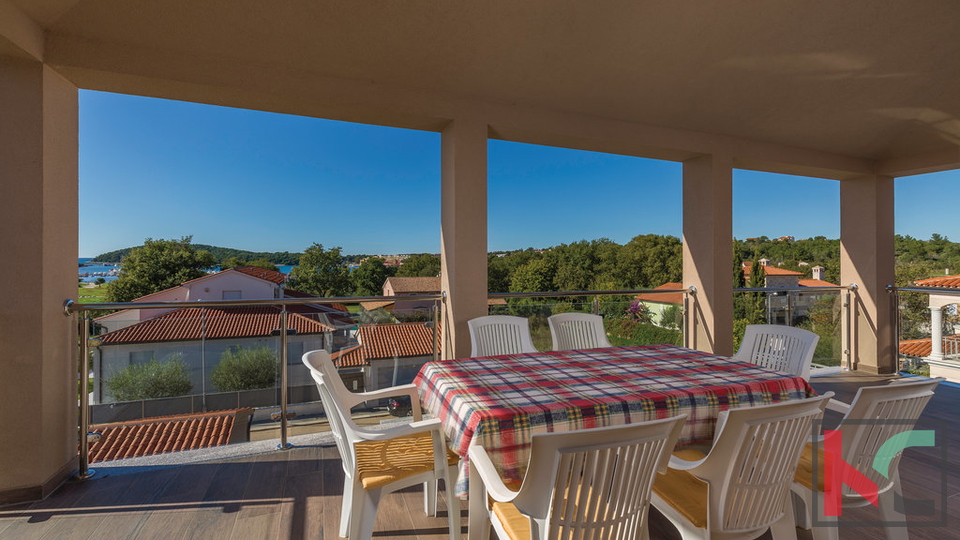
x=297 y=493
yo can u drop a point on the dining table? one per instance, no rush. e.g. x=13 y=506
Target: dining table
x=500 y=402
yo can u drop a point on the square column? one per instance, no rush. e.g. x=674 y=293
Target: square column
x=867 y=259
x=38 y=213
x=708 y=251
x=463 y=231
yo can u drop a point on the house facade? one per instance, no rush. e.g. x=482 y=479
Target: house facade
x=388 y=354
x=199 y=337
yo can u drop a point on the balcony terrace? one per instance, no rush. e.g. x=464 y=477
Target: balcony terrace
x=296 y=494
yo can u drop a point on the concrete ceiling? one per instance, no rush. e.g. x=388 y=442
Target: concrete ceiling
x=869 y=79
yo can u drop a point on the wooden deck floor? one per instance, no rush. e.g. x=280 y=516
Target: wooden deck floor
x=296 y=494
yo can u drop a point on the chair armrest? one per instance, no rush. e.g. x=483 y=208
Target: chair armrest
x=421 y=426
x=408 y=390
x=487 y=472
x=838 y=406
x=684 y=464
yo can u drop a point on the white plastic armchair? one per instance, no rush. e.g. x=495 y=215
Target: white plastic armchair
x=783 y=348
x=877 y=414
x=377 y=462
x=742 y=487
x=592 y=483
x=500 y=334
x=577 y=331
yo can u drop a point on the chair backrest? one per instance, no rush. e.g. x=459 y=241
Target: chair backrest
x=783 y=348
x=577 y=331
x=595 y=483
x=877 y=414
x=753 y=460
x=500 y=334
x=332 y=393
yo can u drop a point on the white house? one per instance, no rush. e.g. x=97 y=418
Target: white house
x=388 y=354
x=199 y=335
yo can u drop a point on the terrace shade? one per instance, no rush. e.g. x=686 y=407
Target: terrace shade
x=851 y=91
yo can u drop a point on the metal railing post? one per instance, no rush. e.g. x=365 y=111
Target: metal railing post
x=284 y=445
x=596 y=306
x=436 y=332
x=84 y=471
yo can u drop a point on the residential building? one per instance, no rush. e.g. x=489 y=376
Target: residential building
x=388 y=354
x=199 y=336
x=793 y=88
x=664 y=308
x=784 y=307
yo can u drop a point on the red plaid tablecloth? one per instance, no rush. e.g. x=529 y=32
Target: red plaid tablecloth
x=500 y=401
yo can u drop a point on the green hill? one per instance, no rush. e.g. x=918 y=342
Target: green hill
x=220 y=253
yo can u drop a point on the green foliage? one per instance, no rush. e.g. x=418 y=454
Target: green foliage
x=739 y=328
x=650 y=260
x=672 y=317
x=219 y=254
x=245 y=368
x=158 y=265
x=234 y=262
x=368 y=278
x=628 y=332
x=420 y=265
x=151 y=380
x=535 y=275
x=321 y=273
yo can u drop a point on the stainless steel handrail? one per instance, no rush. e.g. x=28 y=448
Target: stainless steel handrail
x=71 y=306
x=552 y=294
x=928 y=290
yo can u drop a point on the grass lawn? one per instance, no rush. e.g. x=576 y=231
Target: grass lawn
x=92 y=295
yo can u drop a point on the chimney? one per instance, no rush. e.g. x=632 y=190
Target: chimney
x=764 y=262
x=818 y=272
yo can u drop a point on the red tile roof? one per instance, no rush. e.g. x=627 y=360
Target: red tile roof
x=162 y=435
x=414 y=285
x=267 y=275
x=922 y=347
x=189 y=324
x=771 y=271
x=814 y=283
x=379 y=341
x=942 y=281
x=663 y=298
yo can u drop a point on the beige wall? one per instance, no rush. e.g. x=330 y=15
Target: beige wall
x=866 y=259
x=463 y=238
x=708 y=251
x=38 y=214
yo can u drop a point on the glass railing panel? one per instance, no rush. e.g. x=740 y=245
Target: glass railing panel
x=627 y=320
x=820 y=311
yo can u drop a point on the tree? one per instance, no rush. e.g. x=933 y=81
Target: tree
x=651 y=260
x=755 y=308
x=245 y=368
x=369 y=277
x=158 y=265
x=420 y=265
x=235 y=262
x=151 y=380
x=321 y=273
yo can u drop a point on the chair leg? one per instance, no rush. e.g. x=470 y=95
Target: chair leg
x=825 y=527
x=478 y=517
x=346 y=506
x=365 y=513
x=430 y=498
x=888 y=514
x=785 y=528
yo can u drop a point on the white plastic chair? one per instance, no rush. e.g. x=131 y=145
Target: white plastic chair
x=494 y=335
x=783 y=348
x=887 y=410
x=577 y=331
x=377 y=462
x=592 y=483
x=742 y=487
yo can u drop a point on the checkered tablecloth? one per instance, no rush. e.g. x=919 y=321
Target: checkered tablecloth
x=499 y=402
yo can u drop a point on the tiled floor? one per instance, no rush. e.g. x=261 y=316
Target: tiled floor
x=296 y=494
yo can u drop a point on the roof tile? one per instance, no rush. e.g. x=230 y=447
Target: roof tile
x=163 y=435
x=187 y=324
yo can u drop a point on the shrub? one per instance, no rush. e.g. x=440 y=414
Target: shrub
x=151 y=380
x=627 y=332
x=243 y=368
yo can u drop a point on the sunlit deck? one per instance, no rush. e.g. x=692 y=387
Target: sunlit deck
x=296 y=494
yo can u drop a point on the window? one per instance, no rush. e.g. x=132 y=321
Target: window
x=232 y=295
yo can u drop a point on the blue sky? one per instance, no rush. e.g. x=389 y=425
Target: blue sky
x=258 y=181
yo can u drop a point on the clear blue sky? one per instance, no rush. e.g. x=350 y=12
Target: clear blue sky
x=257 y=181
